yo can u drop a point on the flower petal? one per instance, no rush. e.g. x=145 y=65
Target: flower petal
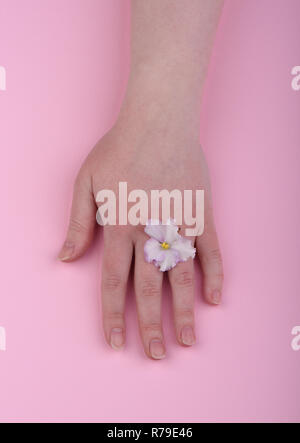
x=184 y=248
x=171 y=232
x=162 y=232
x=153 y=251
x=180 y=248
x=171 y=258
x=156 y=230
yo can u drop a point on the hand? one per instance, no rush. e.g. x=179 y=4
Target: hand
x=150 y=147
x=153 y=146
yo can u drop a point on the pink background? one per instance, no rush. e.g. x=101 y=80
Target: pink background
x=67 y=64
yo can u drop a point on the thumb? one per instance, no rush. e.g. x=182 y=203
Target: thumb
x=82 y=221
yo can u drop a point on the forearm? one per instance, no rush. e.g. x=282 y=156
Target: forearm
x=170 y=48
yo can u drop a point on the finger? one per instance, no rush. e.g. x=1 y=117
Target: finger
x=148 y=288
x=117 y=256
x=82 y=221
x=211 y=263
x=182 y=284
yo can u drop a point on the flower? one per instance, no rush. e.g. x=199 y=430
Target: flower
x=166 y=247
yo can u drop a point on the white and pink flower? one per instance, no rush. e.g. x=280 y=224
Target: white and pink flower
x=166 y=247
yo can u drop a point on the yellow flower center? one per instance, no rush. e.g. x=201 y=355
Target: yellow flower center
x=165 y=245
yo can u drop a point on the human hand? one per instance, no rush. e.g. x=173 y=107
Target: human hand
x=149 y=148
x=153 y=146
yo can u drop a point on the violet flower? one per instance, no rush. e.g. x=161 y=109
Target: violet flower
x=166 y=247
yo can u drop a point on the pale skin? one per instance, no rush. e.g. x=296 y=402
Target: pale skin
x=153 y=145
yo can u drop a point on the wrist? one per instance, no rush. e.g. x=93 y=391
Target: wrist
x=162 y=96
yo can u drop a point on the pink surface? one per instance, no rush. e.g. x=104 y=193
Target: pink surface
x=66 y=63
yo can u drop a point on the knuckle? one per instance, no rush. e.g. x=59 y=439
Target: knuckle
x=212 y=264
x=186 y=314
x=77 y=226
x=213 y=256
x=110 y=231
x=220 y=275
x=184 y=279
x=112 y=282
x=114 y=316
x=149 y=327
x=150 y=289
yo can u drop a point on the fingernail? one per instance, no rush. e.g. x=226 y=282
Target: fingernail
x=216 y=297
x=188 y=336
x=67 y=251
x=157 y=349
x=117 y=338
